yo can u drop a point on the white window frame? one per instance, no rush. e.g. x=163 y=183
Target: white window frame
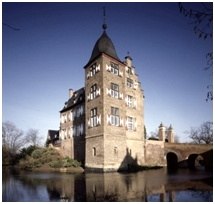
x=114 y=68
x=93 y=70
x=131 y=123
x=130 y=100
x=93 y=91
x=130 y=83
x=93 y=117
x=115 y=118
x=114 y=90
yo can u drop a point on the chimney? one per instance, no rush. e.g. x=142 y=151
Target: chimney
x=70 y=93
x=128 y=61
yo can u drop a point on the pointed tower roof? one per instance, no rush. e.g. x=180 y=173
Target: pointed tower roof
x=104 y=45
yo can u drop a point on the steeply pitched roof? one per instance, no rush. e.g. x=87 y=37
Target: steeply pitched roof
x=77 y=98
x=103 y=45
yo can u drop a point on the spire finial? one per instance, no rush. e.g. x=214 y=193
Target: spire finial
x=104 y=26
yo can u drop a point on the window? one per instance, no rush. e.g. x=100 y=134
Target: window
x=114 y=90
x=93 y=91
x=130 y=101
x=74 y=130
x=93 y=117
x=81 y=110
x=114 y=68
x=79 y=129
x=64 y=117
x=94 y=151
x=129 y=70
x=115 y=116
x=130 y=83
x=93 y=69
x=74 y=115
x=64 y=133
x=131 y=123
x=71 y=115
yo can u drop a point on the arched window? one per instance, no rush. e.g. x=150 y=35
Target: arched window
x=94 y=151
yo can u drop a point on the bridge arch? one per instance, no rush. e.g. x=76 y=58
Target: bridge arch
x=172 y=161
x=195 y=161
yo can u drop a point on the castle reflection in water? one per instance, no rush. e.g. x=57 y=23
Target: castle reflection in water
x=151 y=185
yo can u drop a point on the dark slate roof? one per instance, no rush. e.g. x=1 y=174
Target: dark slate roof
x=77 y=98
x=103 y=45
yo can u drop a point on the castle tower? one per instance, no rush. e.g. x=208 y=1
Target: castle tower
x=170 y=134
x=162 y=132
x=113 y=110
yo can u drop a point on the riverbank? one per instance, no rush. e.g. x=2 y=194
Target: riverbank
x=47 y=169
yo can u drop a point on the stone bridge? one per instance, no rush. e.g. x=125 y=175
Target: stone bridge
x=175 y=155
x=188 y=155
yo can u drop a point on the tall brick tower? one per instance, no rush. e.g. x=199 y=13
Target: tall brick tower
x=114 y=121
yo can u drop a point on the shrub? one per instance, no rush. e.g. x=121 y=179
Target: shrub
x=55 y=164
x=48 y=156
x=26 y=151
x=37 y=153
x=27 y=163
x=37 y=163
x=68 y=162
x=76 y=163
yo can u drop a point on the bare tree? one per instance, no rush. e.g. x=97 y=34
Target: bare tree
x=201 y=18
x=153 y=135
x=203 y=134
x=12 y=137
x=32 y=137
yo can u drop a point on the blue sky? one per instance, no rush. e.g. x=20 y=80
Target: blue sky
x=46 y=57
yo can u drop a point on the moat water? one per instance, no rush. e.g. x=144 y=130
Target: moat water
x=151 y=185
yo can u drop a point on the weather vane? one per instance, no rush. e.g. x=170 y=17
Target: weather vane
x=104 y=26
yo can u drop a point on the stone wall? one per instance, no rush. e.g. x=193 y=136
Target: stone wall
x=67 y=147
x=154 y=153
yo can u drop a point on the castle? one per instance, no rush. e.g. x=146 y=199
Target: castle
x=102 y=123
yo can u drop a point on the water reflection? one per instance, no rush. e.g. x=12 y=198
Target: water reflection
x=152 y=185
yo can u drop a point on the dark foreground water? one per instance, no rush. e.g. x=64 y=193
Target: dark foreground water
x=151 y=185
